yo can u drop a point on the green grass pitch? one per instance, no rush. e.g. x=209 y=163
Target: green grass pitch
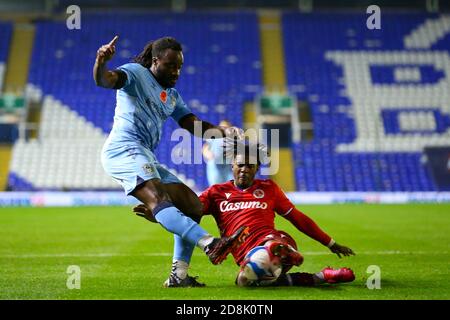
x=122 y=256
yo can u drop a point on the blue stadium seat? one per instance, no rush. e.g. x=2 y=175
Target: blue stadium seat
x=220 y=73
x=313 y=78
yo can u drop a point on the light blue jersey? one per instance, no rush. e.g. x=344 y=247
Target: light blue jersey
x=143 y=106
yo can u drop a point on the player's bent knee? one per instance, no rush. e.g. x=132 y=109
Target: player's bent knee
x=242 y=281
x=296 y=258
x=193 y=209
x=151 y=194
x=193 y=204
x=185 y=200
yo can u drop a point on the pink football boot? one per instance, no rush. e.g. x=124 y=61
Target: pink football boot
x=338 y=275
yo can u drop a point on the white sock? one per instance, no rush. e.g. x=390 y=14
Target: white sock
x=319 y=278
x=204 y=241
x=180 y=268
x=289 y=279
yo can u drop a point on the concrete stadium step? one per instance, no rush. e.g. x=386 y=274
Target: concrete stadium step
x=249 y=115
x=5 y=158
x=274 y=79
x=285 y=177
x=272 y=51
x=19 y=57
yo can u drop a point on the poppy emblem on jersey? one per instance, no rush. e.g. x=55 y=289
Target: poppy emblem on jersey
x=258 y=194
x=163 y=96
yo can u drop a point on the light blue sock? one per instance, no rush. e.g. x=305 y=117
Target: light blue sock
x=173 y=220
x=182 y=250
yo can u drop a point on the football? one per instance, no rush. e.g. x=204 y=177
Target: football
x=260 y=268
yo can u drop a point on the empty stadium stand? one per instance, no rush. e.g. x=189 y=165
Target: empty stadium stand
x=377 y=98
x=221 y=72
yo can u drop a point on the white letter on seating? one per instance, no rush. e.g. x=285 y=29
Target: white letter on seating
x=374 y=21
x=74 y=20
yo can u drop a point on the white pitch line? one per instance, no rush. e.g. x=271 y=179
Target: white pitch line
x=169 y=254
x=84 y=255
x=380 y=253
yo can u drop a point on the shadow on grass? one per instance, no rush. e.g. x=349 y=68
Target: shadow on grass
x=357 y=284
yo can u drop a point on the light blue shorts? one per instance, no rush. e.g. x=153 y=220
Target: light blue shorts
x=132 y=164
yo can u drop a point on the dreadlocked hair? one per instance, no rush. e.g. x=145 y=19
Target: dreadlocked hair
x=233 y=148
x=156 y=49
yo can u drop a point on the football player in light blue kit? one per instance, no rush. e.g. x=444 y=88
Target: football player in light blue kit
x=145 y=99
x=217 y=168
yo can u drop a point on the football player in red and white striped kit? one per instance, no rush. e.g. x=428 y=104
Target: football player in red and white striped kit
x=246 y=201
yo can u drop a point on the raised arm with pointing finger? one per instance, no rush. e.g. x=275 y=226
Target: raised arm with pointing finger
x=105 y=78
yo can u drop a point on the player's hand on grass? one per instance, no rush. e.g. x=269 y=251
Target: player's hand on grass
x=142 y=211
x=341 y=250
x=106 y=52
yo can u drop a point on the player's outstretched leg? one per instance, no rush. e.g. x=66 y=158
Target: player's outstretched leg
x=219 y=248
x=152 y=194
x=179 y=278
x=216 y=251
x=327 y=275
x=182 y=253
x=216 y=248
x=187 y=202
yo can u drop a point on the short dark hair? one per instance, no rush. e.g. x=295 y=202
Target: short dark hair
x=155 y=49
